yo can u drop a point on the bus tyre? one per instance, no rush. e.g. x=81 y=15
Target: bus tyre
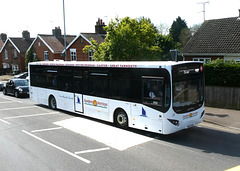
x=121 y=119
x=52 y=103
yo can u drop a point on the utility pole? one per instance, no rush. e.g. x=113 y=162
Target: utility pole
x=65 y=44
x=203 y=3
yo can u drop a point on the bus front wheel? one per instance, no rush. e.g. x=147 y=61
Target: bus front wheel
x=121 y=119
x=52 y=102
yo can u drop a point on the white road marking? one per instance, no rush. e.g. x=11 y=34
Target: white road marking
x=7 y=102
x=93 y=150
x=57 y=147
x=48 y=129
x=4 y=121
x=25 y=116
x=12 y=100
x=111 y=136
x=17 y=108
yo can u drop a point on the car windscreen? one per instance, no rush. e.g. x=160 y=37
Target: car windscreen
x=21 y=83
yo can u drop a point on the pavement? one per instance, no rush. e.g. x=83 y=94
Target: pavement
x=223 y=117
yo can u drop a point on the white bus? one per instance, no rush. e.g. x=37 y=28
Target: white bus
x=161 y=97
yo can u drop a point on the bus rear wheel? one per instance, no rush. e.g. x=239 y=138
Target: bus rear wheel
x=52 y=103
x=121 y=119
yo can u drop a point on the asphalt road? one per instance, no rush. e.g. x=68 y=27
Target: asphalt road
x=33 y=137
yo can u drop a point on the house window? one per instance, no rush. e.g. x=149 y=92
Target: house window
x=235 y=59
x=39 y=44
x=34 y=56
x=73 y=54
x=15 y=53
x=6 y=65
x=6 y=54
x=90 y=55
x=46 y=57
x=15 y=67
x=204 y=60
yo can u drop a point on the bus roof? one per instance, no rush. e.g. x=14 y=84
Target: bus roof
x=112 y=64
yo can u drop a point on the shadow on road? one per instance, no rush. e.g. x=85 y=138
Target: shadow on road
x=218 y=115
x=206 y=139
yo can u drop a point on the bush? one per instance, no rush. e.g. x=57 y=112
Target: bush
x=218 y=73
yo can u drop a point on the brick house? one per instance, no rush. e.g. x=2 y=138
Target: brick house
x=219 y=38
x=13 y=52
x=3 y=38
x=74 y=49
x=50 y=47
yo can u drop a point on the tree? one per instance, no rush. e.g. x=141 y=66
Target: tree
x=195 y=28
x=163 y=28
x=128 y=40
x=185 y=36
x=176 y=28
x=30 y=57
x=166 y=43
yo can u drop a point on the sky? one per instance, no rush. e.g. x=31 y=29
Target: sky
x=41 y=16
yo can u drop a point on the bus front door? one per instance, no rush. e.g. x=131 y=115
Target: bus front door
x=78 y=102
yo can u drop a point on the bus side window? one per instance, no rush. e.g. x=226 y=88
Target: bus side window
x=65 y=79
x=153 y=91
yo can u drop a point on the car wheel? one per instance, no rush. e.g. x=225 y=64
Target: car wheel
x=4 y=91
x=16 y=94
x=52 y=103
x=121 y=119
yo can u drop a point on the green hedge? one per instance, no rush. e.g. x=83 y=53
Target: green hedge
x=218 y=73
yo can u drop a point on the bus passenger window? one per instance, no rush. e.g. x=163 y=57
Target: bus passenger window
x=152 y=91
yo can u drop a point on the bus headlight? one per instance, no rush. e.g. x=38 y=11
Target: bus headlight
x=174 y=122
x=20 y=89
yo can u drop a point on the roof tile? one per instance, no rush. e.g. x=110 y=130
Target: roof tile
x=216 y=36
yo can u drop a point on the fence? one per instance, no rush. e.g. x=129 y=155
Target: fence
x=223 y=97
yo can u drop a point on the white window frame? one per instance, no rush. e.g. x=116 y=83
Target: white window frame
x=46 y=56
x=6 y=65
x=6 y=54
x=204 y=60
x=15 y=53
x=15 y=67
x=73 y=54
x=90 y=55
x=236 y=59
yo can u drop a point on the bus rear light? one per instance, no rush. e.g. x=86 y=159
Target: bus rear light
x=202 y=114
x=174 y=122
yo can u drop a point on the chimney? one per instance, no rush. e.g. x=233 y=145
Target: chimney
x=26 y=34
x=238 y=19
x=57 y=32
x=3 y=37
x=99 y=27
